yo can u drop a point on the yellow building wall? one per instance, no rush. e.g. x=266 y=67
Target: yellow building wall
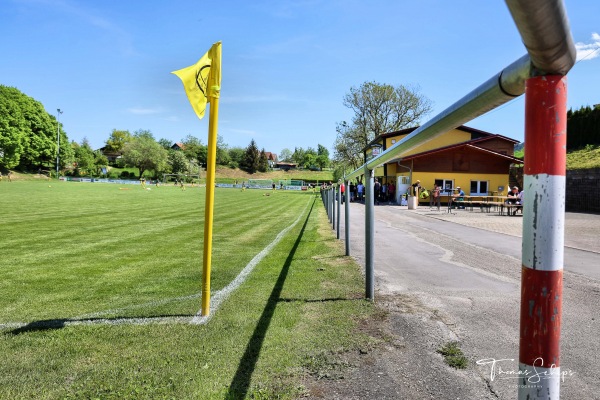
x=462 y=179
x=446 y=139
x=395 y=139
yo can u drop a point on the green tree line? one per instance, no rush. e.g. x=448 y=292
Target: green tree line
x=28 y=142
x=583 y=127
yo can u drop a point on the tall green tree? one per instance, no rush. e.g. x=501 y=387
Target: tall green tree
x=178 y=162
x=285 y=155
x=165 y=143
x=145 y=153
x=322 y=157
x=381 y=108
x=583 y=127
x=263 y=163
x=251 y=160
x=236 y=156
x=194 y=149
x=222 y=153
x=84 y=157
x=117 y=141
x=28 y=134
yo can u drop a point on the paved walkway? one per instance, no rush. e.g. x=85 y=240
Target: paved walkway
x=581 y=230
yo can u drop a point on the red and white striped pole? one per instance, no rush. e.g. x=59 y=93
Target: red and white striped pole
x=543 y=236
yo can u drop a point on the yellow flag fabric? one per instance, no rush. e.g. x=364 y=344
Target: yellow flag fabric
x=202 y=81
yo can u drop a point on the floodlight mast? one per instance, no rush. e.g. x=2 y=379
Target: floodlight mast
x=58 y=112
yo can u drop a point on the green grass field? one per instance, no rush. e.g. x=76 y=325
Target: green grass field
x=82 y=265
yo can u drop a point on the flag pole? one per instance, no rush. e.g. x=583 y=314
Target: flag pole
x=209 y=203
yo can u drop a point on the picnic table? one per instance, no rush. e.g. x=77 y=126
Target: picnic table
x=487 y=203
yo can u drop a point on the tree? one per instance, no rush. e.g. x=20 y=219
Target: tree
x=381 y=108
x=13 y=130
x=178 y=162
x=100 y=161
x=145 y=153
x=322 y=157
x=84 y=157
x=222 y=153
x=347 y=151
x=298 y=155
x=263 y=163
x=117 y=140
x=251 y=159
x=236 y=156
x=165 y=143
x=27 y=132
x=194 y=149
x=285 y=155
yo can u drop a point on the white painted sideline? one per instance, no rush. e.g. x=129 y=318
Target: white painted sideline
x=222 y=294
x=218 y=297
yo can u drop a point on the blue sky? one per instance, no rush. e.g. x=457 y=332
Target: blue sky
x=286 y=64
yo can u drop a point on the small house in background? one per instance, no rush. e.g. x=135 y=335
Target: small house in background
x=271 y=159
x=111 y=156
x=178 y=146
x=477 y=161
x=285 y=166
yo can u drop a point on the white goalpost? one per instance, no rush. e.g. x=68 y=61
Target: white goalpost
x=186 y=178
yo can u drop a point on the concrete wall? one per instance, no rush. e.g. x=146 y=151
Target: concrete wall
x=583 y=190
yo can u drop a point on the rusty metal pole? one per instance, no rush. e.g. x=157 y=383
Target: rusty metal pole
x=543 y=236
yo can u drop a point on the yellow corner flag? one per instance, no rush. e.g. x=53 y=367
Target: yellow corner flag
x=202 y=81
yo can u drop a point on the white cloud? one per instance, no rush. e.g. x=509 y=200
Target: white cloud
x=588 y=51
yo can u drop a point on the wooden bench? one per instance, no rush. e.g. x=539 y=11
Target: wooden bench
x=510 y=208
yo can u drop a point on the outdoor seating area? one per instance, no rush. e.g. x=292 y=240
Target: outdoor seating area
x=487 y=204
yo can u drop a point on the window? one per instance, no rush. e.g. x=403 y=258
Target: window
x=479 y=188
x=446 y=184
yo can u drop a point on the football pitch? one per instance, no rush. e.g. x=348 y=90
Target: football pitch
x=100 y=284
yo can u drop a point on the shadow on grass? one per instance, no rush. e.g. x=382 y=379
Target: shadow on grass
x=319 y=300
x=59 y=323
x=238 y=389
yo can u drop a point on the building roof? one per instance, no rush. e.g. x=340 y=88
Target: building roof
x=471 y=145
x=271 y=156
x=475 y=135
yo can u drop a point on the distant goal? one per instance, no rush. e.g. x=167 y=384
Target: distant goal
x=186 y=178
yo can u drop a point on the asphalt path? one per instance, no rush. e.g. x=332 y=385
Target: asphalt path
x=444 y=281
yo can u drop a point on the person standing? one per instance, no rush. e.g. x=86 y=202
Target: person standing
x=343 y=191
x=359 y=190
x=435 y=197
x=352 y=190
x=391 y=192
x=377 y=190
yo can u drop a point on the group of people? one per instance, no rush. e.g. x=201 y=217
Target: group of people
x=383 y=192
x=516 y=198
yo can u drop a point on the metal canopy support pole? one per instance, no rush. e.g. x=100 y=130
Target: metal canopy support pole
x=543 y=235
x=369 y=233
x=328 y=196
x=339 y=201
x=332 y=190
x=347 y=219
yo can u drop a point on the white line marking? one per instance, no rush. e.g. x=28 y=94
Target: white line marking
x=217 y=299
x=222 y=294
